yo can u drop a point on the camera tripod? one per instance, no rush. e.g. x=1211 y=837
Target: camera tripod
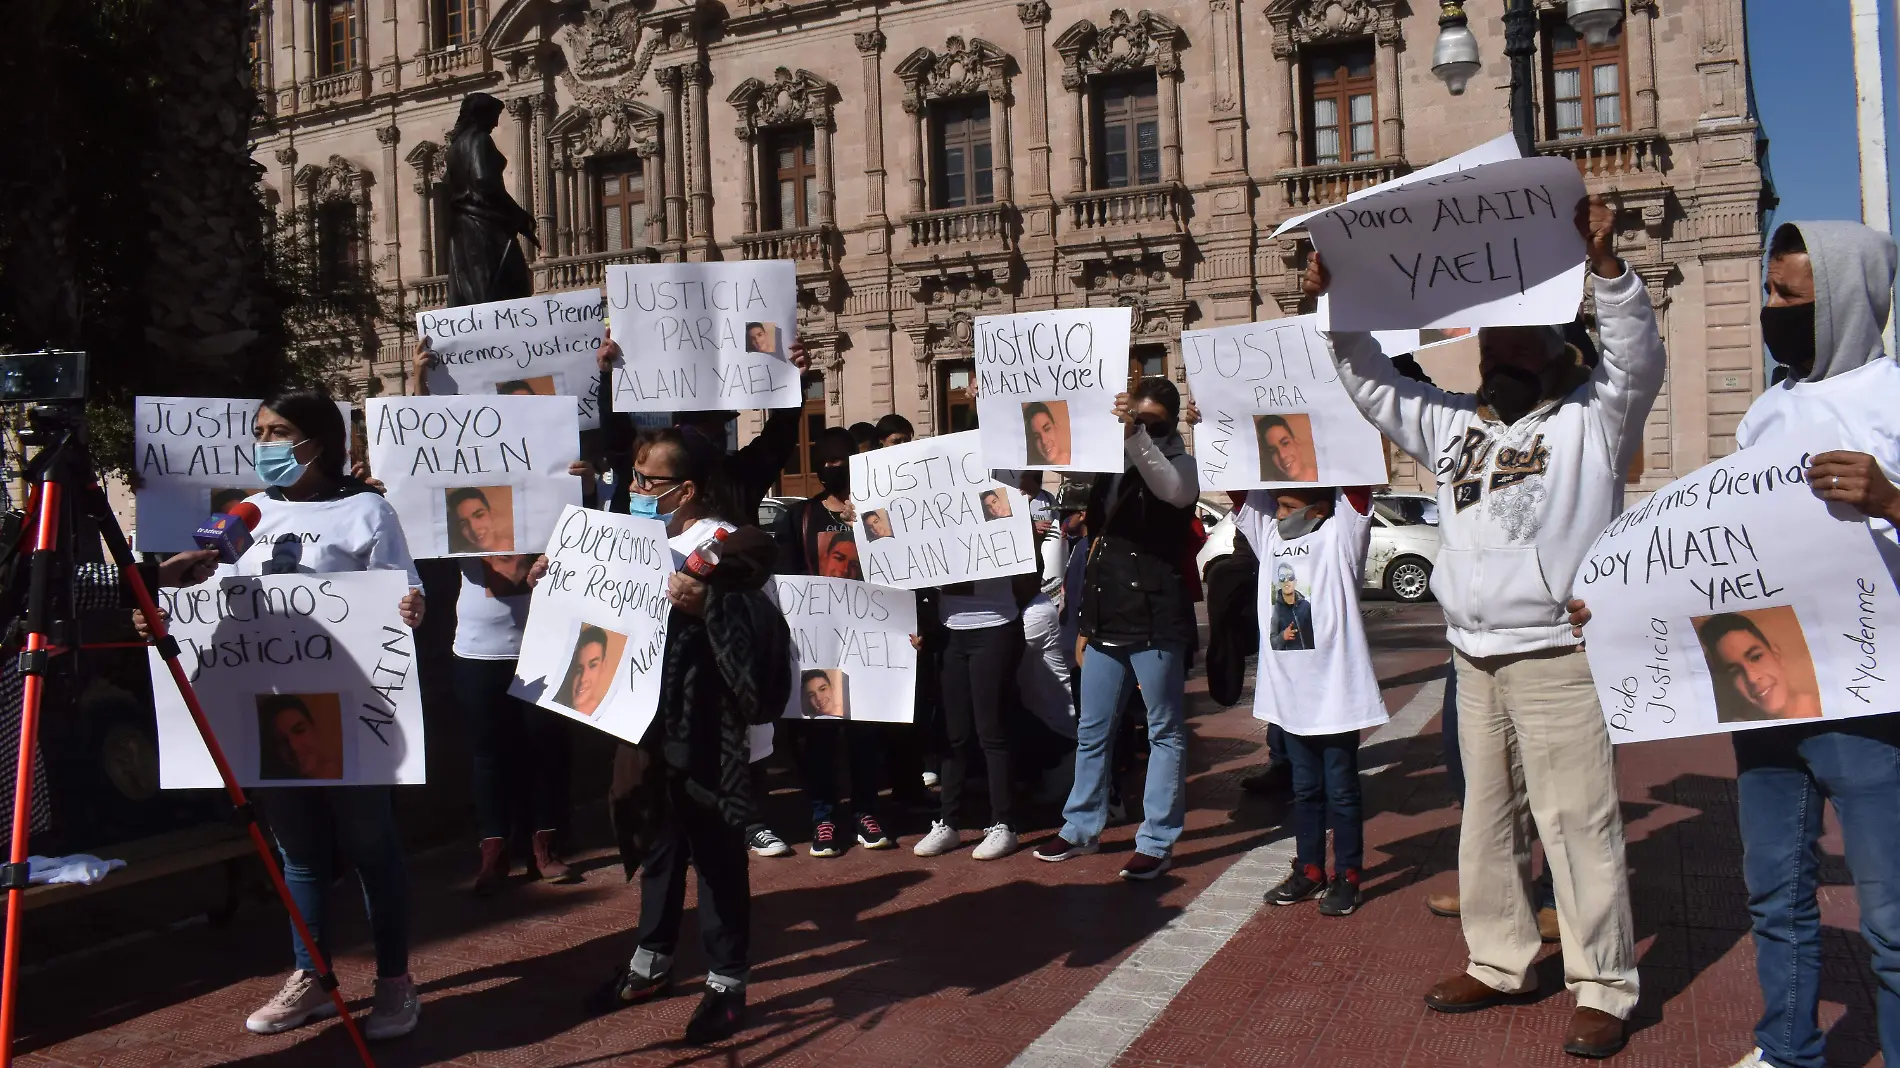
x=63 y=485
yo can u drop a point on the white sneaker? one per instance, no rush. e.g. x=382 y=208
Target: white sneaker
x=395 y=1011
x=301 y=1001
x=1753 y=1060
x=998 y=842
x=941 y=839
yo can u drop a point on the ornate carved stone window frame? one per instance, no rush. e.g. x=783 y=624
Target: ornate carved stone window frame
x=338 y=180
x=963 y=69
x=604 y=123
x=1300 y=24
x=1143 y=41
x=790 y=99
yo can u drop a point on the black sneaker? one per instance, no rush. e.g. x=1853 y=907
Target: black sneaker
x=719 y=1014
x=625 y=989
x=1058 y=849
x=1303 y=885
x=767 y=844
x=824 y=840
x=1141 y=867
x=1342 y=897
x=871 y=835
x=1276 y=777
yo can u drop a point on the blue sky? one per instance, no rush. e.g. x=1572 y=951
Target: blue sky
x=1802 y=56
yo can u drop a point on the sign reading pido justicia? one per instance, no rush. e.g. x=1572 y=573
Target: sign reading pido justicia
x=1733 y=598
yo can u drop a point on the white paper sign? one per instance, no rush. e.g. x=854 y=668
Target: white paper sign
x=596 y=633
x=1046 y=386
x=851 y=641
x=1396 y=342
x=929 y=514
x=534 y=347
x=475 y=476
x=1495 y=245
x=306 y=680
x=1734 y=598
x=194 y=459
x=704 y=336
x=1273 y=412
x=1492 y=151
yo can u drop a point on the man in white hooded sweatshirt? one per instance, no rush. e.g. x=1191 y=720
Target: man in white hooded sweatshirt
x=1829 y=291
x=1529 y=471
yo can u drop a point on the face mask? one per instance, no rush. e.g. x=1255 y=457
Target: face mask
x=1298 y=525
x=836 y=480
x=1162 y=429
x=642 y=506
x=1789 y=332
x=1511 y=392
x=277 y=463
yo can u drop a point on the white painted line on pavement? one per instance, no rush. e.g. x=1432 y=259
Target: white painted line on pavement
x=1132 y=997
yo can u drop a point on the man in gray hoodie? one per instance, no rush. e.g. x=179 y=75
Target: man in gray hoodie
x=1829 y=290
x=1529 y=471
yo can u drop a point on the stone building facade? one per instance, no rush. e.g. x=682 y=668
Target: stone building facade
x=928 y=161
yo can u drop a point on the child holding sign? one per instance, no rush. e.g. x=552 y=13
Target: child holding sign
x=1316 y=681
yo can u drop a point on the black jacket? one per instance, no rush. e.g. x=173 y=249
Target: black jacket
x=1133 y=592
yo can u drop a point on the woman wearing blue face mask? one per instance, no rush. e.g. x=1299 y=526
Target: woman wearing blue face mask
x=315 y=519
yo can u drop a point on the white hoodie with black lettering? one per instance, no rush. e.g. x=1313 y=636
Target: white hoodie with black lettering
x=1519 y=504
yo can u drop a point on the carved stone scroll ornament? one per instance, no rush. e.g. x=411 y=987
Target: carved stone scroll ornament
x=972 y=68
x=1125 y=44
x=788 y=99
x=607 y=44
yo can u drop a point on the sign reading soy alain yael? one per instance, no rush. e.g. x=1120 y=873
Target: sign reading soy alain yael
x=704 y=336
x=533 y=347
x=306 y=680
x=930 y=514
x=1733 y=598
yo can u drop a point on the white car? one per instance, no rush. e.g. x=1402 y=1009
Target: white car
x=1404 y=542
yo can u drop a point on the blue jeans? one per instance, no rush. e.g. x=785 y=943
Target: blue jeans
x=1107 y=676
x=1326 y=793
x=309 y=823
x=1785 y=775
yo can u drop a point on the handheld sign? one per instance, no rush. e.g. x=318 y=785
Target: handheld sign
x=534 y=347
x=1046 y=388
x=193 y=459
x=596 y=629
x=475 y=476
x=929 y=514
x=1273 y=412
x=704 y=336
x=1493 y=151
x=852 y=644
x=1495 y=245
x=306 y=680
x=1733 y=598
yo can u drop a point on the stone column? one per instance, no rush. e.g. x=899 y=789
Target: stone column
x=673 y=152
x=287 y=159
x=1386 y=95
x=563 y=205
x=698 y=77
x=544 y=164
x=521 y=109
x=1283 y=84
x=1225 y=111
x=1035 y=20
x=821 y=144
x=1002 y=165
x=748 y=182
x=425 y=202
x=1639 y=25
x=1078 y=89
x=653 y=173
x=390 y=136
x=916 y=115
x=870 y=47
x=1167 y=101
x=585 y=207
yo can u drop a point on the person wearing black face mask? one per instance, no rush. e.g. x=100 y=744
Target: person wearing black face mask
x=815 y=537
x=1529 y=472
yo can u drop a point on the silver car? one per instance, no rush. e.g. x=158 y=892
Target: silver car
x=1399 y=562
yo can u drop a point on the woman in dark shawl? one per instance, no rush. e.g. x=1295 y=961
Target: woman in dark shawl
x=485 y=262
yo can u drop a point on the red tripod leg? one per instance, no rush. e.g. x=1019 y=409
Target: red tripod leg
x=43 y=514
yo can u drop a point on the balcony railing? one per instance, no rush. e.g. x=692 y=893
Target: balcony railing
x=1605 y=157
x=339 y=88
x=455 y=59
x=811 y=246
x=580 y=272
x=1316 y=187
x=984 y=224
x=426 y=293
x=1135 y=206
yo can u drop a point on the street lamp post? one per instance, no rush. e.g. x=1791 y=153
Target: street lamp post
x=1455 y=57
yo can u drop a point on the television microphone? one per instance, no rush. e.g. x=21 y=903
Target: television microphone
x=229 y=532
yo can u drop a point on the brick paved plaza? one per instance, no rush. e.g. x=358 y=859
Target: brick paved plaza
x=883 y=959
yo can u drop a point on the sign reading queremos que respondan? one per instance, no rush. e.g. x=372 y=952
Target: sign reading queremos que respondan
x=1734 y=598
x=306 y=680
x=533 y=347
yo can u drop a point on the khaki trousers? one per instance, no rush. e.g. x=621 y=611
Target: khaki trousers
x=1535 y=746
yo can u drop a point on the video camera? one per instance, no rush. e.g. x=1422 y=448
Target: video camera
x=42 y=377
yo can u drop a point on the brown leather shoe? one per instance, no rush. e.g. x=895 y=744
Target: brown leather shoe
x=1547 y=928
x=1445 y=905
x=547 y=862
x=1462 y=993
x=1594 y=1034
x=494 y=870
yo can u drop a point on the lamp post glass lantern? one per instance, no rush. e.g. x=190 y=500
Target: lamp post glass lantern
x=1455 y=57
x=1595 y=19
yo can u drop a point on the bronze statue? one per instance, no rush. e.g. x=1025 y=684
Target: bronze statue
x=485 y=260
